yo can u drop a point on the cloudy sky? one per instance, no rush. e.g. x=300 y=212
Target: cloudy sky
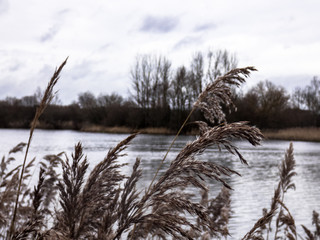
x=103 y=37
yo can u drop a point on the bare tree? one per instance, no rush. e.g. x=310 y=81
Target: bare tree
x=87 y=100
x=196 y=74
x=29 y=101
x=151 y=80
x=220 y=62
x=311 y=95
x=268 y=100
x=309 y=98
x=141 y=77
x=179 y=90
x=106 y=100
x=165 y=81
x=297 y=98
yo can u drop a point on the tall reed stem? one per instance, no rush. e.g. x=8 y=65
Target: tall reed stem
x=169 y=149
x=47 y=97
x=164 y=158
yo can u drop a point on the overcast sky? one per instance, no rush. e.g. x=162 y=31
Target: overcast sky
x=103 y=37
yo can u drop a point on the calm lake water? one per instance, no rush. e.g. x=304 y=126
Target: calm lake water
x=252 y=192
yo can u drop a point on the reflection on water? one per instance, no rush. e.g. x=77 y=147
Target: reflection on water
x=252 y=191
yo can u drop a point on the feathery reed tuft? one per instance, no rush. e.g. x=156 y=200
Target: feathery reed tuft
x=86 y=203
x=218 y=93
x=315 y=235
x=284 y=221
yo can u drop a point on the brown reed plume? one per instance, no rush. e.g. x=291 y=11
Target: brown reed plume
x=219 y=212
x=35 y=207
x=218 y=94
x=9 y=180
x=315 y=235
x=161 y=210
x=210 y=101
x=286 y=173
x=284 y=222
x=47 y=97
x=87 y=203
x=33 y=225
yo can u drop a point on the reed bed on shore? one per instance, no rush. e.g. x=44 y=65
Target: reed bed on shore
x=105 y=204
x=294 y=134
x=289 y=134
x=103 y=129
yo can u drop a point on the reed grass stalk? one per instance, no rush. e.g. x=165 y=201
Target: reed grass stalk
x=47 y=97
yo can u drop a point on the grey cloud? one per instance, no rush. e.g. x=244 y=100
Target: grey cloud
x=5 y=90
x=292 y=81
x=80 y=78
x=9 y=87
x=104 y=47
x=63 y=12
x=15 y=67
x=50 y=34
x=81 y=70
x=159 y=24
x=4 y=6
x=204 y=27
x=45 y=71
x=187 y=41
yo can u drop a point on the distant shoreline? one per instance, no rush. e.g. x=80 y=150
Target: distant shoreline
x=291 y=134
x=310 y=134
x=102 y=129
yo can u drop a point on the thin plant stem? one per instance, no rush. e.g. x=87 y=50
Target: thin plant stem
x=47 y=97
x=163 y=159
x=20 y=182
x=277 y=224
x=169 y=149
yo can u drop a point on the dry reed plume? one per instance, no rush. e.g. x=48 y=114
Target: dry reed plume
x=105 y=204
x=284 y=224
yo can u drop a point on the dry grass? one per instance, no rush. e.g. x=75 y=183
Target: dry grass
x=290 y=134
x=105 y=204
x=294 y=134
x=103 y=129
x=284 y=220
x=284 y=223
x=47 y=98
x=116 y=129
x=156 y=131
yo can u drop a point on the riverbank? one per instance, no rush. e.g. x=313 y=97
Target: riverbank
x=290 y=134
x=294 y=134
x=97 y=128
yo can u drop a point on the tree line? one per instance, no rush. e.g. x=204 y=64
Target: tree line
x=162 y=96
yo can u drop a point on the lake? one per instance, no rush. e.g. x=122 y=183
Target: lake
x=252 y=191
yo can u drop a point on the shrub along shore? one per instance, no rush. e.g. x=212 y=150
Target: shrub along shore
x=311 y=134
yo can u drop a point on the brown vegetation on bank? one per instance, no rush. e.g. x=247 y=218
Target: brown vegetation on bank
x=116 y=129
x=294 y=134
x=290 y=134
